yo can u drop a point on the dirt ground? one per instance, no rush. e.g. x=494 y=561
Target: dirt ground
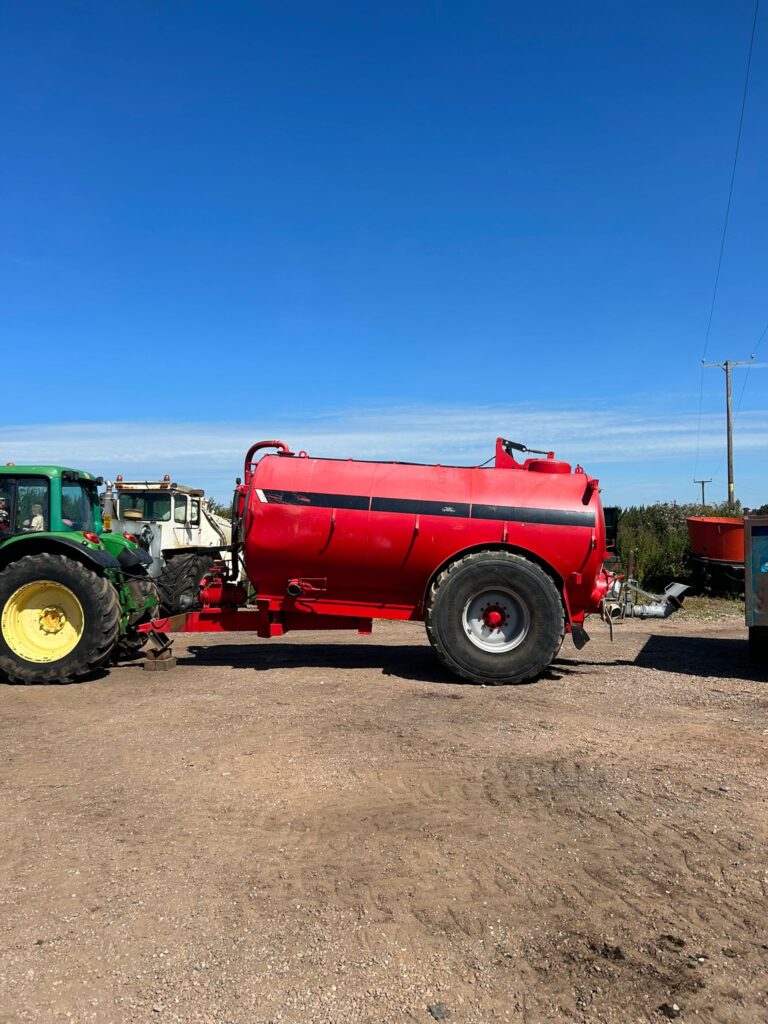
x=326 y=829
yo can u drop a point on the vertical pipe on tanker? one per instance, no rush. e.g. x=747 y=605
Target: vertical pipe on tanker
x=235 y=544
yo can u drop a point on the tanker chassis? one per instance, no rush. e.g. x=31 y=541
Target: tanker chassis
x=499 y=563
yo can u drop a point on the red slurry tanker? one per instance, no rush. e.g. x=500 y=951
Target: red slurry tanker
x=499 y=562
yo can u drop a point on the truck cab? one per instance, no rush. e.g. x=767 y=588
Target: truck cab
x=183 y=536
x=169 y=519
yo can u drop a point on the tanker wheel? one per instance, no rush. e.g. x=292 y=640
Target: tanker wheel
x=60 y=620
x=179 y=585
x=494 y=617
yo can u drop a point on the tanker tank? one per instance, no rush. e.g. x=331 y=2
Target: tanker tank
x=499 y=563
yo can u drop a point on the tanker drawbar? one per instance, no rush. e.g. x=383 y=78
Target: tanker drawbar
x=499 y=562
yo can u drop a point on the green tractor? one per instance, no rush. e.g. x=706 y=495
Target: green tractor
x=71 y=593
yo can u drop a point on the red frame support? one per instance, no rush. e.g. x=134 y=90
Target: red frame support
x=260 y=620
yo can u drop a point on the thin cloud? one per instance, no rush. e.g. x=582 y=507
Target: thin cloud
x=610 y=435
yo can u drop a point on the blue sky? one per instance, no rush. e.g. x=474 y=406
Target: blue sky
x=382 y=230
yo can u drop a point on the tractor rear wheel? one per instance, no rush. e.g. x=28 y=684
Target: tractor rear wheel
x=494 y=617
x=179 y=585
x=59 y=620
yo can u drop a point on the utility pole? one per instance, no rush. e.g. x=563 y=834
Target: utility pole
x=702 y=482
x=727 y=365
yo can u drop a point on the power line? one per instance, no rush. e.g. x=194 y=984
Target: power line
x=703 y=496
x=750 y=364
x=727 y=366
x=725 y=222
x=760 y=340
x=733 y=177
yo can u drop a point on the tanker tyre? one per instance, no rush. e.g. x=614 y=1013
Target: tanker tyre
x=494 y=618
x=59 y=620
x=179 y=585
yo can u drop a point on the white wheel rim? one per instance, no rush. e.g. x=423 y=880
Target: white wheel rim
x=496 y=620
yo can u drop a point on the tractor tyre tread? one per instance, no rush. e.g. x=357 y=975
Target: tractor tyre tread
x=181 y=579
x=101 y=630
x=129 y=645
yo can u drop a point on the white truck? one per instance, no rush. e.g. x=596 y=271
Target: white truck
x=176 y=525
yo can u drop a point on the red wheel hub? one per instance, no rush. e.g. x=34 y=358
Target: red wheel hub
x=494 y=617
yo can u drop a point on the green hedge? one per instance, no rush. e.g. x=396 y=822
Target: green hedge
x=659 y=536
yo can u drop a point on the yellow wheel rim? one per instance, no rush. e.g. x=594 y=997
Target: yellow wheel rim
x=42 y=621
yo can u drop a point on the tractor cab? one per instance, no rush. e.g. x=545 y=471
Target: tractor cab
x=48 y=499
x=38 y=502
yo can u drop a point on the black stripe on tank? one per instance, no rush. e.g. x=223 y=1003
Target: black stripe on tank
x=542 y=516
x=315 y=499
x=417 y=506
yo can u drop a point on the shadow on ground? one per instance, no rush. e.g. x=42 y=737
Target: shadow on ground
x=724 y=657
x=412 y=663
x=708 y=657
x=92 y=677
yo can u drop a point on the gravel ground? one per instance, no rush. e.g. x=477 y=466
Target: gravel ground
x=326 y=828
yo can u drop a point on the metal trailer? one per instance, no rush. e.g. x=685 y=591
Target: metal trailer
x=498 y=562
x=717 y=553
x=756 y=590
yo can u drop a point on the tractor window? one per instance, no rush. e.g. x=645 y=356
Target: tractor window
x=7 y=485
x=153 y=508
x=77 y=501
x=32 y=504
x=194 y=511
x=180 y=509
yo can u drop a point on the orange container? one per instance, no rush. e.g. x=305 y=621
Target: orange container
x=717 y=538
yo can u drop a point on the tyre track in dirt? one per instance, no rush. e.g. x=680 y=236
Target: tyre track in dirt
x=347 y=836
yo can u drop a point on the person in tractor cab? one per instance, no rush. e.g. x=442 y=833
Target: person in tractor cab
x=5 y=517
x=38 y=523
